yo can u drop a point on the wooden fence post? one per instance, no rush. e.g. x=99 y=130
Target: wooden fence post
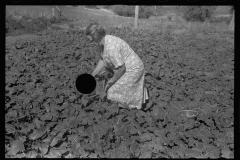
x=60 y=13
x=136 y=16
x=231 y=26
x=53 y=13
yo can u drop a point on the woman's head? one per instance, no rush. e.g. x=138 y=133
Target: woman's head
x=95 y=32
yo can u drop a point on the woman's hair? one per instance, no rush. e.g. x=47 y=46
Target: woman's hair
x=94 y=29
x=97 y=31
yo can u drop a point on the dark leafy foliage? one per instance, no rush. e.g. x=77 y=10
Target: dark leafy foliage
x=47 y=117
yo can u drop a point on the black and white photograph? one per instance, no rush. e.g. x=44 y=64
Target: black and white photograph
x=119 y=81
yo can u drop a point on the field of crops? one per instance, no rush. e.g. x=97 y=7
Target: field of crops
x=189 y=114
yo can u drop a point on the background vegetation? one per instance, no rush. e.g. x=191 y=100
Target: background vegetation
x=197 y=13
x=25 y=19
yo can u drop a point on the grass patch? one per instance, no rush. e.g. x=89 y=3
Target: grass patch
x=18 y=24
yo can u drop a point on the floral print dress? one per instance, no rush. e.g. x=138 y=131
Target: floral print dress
x=129 y=89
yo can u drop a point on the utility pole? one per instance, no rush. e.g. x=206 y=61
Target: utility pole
x=136 y=16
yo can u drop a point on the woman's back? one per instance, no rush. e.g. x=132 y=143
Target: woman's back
x=131 y=59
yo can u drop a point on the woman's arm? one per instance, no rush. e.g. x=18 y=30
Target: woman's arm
x=118 y=73
x=99 y=67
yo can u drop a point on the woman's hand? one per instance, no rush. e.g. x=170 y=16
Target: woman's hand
x=117 y=75
x=108 y=85
x=106 y=88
